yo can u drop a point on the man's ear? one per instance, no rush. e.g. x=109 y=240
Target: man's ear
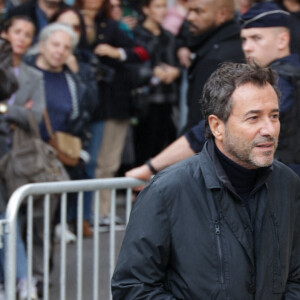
x=283 y=40
x=222 y=15
x=217 y=127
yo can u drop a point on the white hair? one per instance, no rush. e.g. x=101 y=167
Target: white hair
x=53 y=27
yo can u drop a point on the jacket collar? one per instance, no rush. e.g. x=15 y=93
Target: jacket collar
x=220 y=178
x=235 y=216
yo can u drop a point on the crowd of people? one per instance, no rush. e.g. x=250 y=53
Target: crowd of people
x=112 y=72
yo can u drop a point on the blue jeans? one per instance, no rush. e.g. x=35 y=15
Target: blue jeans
x=93 y=148
x=20 y=255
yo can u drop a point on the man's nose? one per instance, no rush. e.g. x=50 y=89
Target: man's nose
x=190 y=16
x=246 y=45
x=269 y=128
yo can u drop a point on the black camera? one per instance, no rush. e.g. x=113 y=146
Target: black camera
x=104 y=73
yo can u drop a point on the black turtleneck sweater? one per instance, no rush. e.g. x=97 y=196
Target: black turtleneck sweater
x=243 y=180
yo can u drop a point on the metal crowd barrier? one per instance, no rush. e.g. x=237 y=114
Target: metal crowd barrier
x=29 y=193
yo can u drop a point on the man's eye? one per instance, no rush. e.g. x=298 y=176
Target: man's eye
x=252 y=118
x=275 y=116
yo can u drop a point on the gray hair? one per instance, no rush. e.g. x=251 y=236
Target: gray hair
x=53 y=27
x=216 y=98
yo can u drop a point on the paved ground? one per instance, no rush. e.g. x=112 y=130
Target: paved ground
x=87 y=284
x=87 y=287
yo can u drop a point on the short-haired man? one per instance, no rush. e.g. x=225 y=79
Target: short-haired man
x=265 y=41
x=213 y=38
x=223 y=224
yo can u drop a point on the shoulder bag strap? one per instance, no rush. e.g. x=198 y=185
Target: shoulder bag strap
x=33 y=125
x=20 y=135
x=47 y=122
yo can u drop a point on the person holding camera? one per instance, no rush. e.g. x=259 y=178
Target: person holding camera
x=115 y=50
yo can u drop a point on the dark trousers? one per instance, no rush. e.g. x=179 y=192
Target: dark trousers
x=154 y=131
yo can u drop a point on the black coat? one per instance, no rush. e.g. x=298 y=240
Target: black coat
x=162 y=49
x=114 y=94
x=211 y=49
x=189 y=237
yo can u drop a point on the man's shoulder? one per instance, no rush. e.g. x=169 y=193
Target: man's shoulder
x=167 y=187
x=284 y=173
x=180 y=173
x=287 y=67
x=223 y=45
x=229 y=32
x=229 y=42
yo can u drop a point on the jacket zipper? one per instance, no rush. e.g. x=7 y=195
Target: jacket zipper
x=220 y=253
x=275 y=224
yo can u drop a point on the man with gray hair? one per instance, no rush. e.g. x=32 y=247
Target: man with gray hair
x=224 y=223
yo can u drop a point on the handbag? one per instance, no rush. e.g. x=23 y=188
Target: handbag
x=8 y=80
x=67 y=146
x=30 y=160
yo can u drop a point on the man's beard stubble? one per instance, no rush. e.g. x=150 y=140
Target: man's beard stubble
x=243 y=152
